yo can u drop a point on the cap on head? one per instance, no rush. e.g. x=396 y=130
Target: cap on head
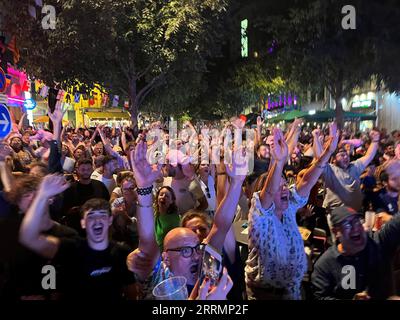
x=339 y=214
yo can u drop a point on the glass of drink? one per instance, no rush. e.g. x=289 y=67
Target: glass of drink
x=173 y=288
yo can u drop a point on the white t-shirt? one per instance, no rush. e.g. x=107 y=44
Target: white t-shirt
x=212 y=200
x=109 y=183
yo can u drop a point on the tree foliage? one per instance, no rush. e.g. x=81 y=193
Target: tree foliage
x=314 y=49
x=130 y=47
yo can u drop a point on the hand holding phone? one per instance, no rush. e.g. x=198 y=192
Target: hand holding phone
x=211 y=266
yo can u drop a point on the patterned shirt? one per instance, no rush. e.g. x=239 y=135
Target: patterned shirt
x=276 y=250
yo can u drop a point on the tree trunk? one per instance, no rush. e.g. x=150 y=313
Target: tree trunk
x=133 y=107
x=339 y=112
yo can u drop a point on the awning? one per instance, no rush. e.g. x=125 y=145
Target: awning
x=108 y=115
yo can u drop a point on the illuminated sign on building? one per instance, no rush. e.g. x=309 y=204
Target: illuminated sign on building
x=244 y=39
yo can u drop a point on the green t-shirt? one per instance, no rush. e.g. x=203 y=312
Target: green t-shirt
x=165 y=223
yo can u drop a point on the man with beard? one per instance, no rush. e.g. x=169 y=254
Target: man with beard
x=21 y=158
x=342 y=178
x=359 y=265
x=181 y=251
x=388 y=197
x=85 y=188
x=107 y=177
x=93 y=268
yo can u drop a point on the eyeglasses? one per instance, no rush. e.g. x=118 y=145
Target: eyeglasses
x=353 y=223
x=187 y=252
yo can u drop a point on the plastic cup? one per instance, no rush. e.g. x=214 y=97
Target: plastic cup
x=173 y=288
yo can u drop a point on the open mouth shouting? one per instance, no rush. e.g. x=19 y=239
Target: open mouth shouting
x=97 y=229
x=194 y=270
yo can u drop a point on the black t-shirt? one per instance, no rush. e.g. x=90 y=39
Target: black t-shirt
x=236 y=272
x=91 y=274
x=21 y=268
x=77 y=194
x=383 y=201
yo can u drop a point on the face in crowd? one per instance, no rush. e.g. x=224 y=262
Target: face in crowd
x=98 y=149
x=281 y=198
x=75 y=138
x=342 y=160
x=164 y=199
x=182 y=253
x=78 y=153
x=25 y=138
x=96 y=223
x=263 y=152
x=84 y=171
x=351 y=234
x=112 y=166
x=199 y=226
x=16 y=144
x=128 y=188
x=204 y=169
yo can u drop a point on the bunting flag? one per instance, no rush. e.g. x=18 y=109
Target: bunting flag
x=84 y=96
x=60 y=95
x=126 y=104
x=91 y=100
x=77 y=97
x=26 y=86
x=37 y=86
x=67 y=98
x=115 y=101
x=44 y=92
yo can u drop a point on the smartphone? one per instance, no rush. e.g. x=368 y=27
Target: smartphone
x=211 y=265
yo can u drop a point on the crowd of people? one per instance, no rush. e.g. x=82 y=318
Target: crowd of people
x=116 y=216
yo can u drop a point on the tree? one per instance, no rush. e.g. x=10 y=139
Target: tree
x=315 y=49
x=129 y=47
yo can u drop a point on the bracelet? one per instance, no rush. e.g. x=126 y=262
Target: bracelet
x=144 y=191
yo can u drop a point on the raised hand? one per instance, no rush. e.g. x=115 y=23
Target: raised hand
x=259 y=121
x=52 y=185
x=219 y=292
x=374 y=135
x=333 y=140
x=57 y=115
x=238 y=170
x=145 y=174
x=279 y=148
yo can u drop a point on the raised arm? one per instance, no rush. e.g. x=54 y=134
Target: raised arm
x=148 y=250
x=293 y=136
x=258 y=132
x=30 y=232
x=55 y=146
x=6 y=167
x=227 y=208
x=311 y=175
x=21 y=122
x=279 y=152
x=373 y=148
x=317 y=146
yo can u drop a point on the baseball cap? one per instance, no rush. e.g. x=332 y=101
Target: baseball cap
x=339 y=214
